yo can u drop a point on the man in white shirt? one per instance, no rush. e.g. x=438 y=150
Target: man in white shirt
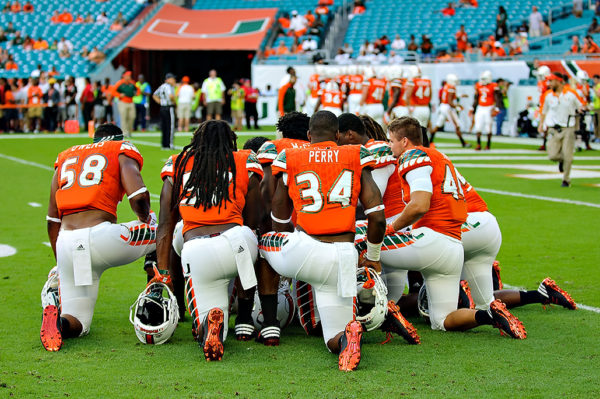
x=310 y=44
x=560 y=107
x=64 y=46
x=535 y=22
x=185 y=98
x=398 y=43
x=298 y=23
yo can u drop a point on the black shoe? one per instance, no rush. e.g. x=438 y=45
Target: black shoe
x=560 y=167
x=269 y=336
x=565 y=184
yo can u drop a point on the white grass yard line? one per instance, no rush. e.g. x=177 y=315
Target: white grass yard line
x=25 y=162
x=34 y=204
x=470 y=151
x=514 y=158
x=579 y=305
x=153 y=144
x=575 y=174
x=538 y=197
x=524 y=166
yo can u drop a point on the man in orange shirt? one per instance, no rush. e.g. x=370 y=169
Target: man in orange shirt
x=435 y=208
x=282 y=49
x=461 y=39
x=11 y=65
x=16 y=6
x=589 y=46
x=322 y=254
x=484 y=107
x=28 y=7
x=34 y=102
x=447 y=109
x=287 y=97
x=66 y=17
x=40 y=44
x=124 y=90
x=89 y=181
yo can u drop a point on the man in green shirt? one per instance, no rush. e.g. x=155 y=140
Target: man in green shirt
x=141 y=103
x=124 y=90
x=213 y=89
x=237 y=105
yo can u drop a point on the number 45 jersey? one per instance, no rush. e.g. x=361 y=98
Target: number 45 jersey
x=447 y=211
x=89 y=176
x=323 y=182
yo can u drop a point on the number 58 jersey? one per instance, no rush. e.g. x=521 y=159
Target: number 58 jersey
x=323 y=182
x=89 y=176
x=447 y=210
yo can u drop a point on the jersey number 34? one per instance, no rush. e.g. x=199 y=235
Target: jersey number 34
x=309 y=186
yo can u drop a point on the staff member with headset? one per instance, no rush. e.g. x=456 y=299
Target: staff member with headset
x=560 y=107
x=165 y=96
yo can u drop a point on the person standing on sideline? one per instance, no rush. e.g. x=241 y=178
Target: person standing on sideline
x=250 y=104
x=141 y=103
x=124 y=90
x=165 y=96
x=237 y=105
x=87 y=103
x=561 y=104
x=213 y=89
x=185 y=98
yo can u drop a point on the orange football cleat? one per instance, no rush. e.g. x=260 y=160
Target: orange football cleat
x=506 y=321
x=213 y=335
x=351 y=344
x=556 y=295
x=396 y=323
x=50 y=332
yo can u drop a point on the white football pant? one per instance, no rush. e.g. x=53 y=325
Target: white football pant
x=299 y=256
x=446 y=112
x=481 y=244
x=178 y=238
x=354 y=103
x=309 y=106
x=208 y=265
x=399 y=111
x=438 y=257
x=375 y=111
x=422 y=114
x=335 y=110
x=82 y=256
x=483 y=119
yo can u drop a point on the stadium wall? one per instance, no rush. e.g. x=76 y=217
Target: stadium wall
x=513 y=71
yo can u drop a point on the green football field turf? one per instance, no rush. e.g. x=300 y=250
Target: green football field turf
x=547 y=231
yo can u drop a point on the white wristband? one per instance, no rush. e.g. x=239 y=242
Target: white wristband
x=375 y=209
x=373 y=251
x=138 y=192
x=280 y=220
x=51 y=219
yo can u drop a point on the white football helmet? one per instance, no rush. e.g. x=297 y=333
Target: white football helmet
x=285 y=307
x=49 y=292
x=413 y=71
x=485 y=77
x=543 y=72
x=372 y=295
x=423 y=303
x=582 y=76
x=154 y=316
x=452 y=79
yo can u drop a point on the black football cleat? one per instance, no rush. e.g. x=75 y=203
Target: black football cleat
x=549 y=289
x=269 y=336
x=506 y=321
x=397 y=324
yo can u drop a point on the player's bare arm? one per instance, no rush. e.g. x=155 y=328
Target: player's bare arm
x=138 y=195
x=370 y=197
x=167 y=218
x=415 y=209
x=267 y=188
x=52 y=216
x=281 y=207
x=253 y=210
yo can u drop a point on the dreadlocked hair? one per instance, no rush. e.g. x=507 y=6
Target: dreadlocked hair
x=211 y=149
x=374 y=129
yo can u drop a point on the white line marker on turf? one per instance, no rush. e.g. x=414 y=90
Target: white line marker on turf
x=538 y=197
x=34 y=204
x=7 y=250
x=579 y=305
x=46 y=243
x=24 y=162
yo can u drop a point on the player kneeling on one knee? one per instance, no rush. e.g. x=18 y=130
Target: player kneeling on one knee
x=216 y=192
x=322 y=183
x=89 y=181
x=436 y=210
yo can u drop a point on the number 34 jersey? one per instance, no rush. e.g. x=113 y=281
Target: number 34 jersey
x=89 y=176
x=447 y=211
x=323 y=182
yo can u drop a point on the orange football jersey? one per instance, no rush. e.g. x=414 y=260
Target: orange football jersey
x=485 y=94
x=392 y=198
x=446 y=91
x=398 y=84
x=314 y=85
x=230 y=211
x=474 y=201
x=332 y=98
x=421 y=94
x=270 y=149
x=447 y=211
x=382 y=153
x=89 y=176
x=323 y=182
x=169 y=168
x=355 y=84
x=375 y=90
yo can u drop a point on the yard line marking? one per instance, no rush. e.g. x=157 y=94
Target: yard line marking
x=491 y=152
x=538 y=197
x=525 y=166
x=34 y=204
x=25 y=162
x=514 y=158
x=152 y=144
x=579 y=305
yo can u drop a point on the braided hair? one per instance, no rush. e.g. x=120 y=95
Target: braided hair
x=374 y=129
x=211 y=149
